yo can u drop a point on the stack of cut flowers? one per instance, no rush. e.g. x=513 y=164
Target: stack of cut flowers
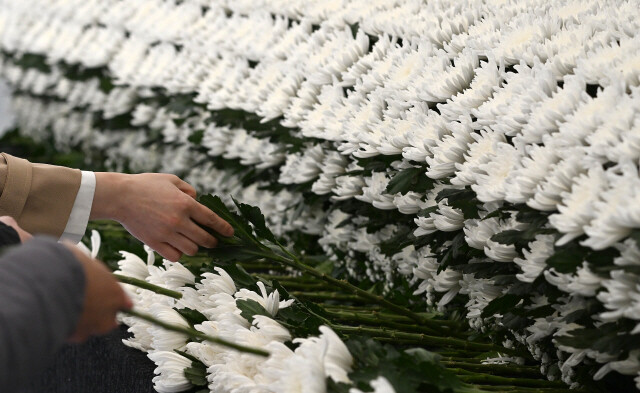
x=254 y=316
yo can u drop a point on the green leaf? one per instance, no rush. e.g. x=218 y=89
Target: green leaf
x=456 y=253
x=567 y=260
x=510 y=236
x=240 y=225
x=181 y=104
x=337 y=387
x=501 y=305
x=38 y=62
x=403 y=238
x=196 y=137
x=197 y=374
x=325 y=266
x=240 y=277
x=226 y=254
x=410 y=179
x=106 y=84
x=254 y=215
x=455 y=194
x=635 y=235
x=426 y=212
x=194 y=317
x=249 y=308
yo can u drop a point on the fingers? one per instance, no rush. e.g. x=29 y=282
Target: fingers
x=198 y=235
x=206 y=217
x=184 y=186
x=104 y=298
x=167 y=251
x=184 y=244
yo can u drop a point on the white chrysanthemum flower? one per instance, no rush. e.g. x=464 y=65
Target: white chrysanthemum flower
x=621 y=297
x=584 y=282
x=577 y=208
x=550 y=112
x=614 y=213
x=374 y=191
x=338 y=230
x=176 y=275
x=531 y=171
x=480 y=151
x=447 y=281
x=337 y=359
x=481 y=292
x=347 y=187
x=426 y=225
x=212 y=284
x=333 y=165
x=481 y=88
x=535 y=257
x=500 y=252
x=446 y=83
x=271 y=302
x=165 y=340
x=126 y=62
x=302 y=372
x=132 y=266
x=425 y=272
x=95 y=245
x=409 y=203
x=170 y=368
x=628 y=366
x=217 y=139
x=270 y=329
x=492 y=181
x=478 y=232
x=520 y=36
x=547 y=195
x=447 y=219
x=301 y=168
x=450 y=150
x=629 y=253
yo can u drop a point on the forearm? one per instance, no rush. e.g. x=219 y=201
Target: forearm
x=41 y=297
x=110 y=193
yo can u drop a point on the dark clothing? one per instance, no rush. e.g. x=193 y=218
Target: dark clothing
x=100 y=365
x=41 y=297
x=8 y=236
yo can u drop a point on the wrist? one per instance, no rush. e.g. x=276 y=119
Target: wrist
x=108 y=201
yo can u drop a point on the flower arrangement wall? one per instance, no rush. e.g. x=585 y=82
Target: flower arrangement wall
x=470 y=158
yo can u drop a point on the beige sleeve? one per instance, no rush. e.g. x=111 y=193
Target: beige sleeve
x=40 y=197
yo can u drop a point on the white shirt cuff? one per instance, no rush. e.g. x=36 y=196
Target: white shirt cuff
x=79 y=218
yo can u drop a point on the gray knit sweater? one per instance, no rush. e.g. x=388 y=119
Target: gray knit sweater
x=41 y=297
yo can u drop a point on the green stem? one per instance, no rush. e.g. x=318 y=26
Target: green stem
x=262 y=266
x=354 y=310
x=282 y=278
x=499 y=369
x=487 y=379
x=524 y=389
x=348 y=316
x=423 y=339
x=342 y=284
x=319 y=296
x=194 y=334
x=145 y=285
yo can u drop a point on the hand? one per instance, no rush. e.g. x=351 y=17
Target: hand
x=22 y=234
x=103 y=298
x=158 y=209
